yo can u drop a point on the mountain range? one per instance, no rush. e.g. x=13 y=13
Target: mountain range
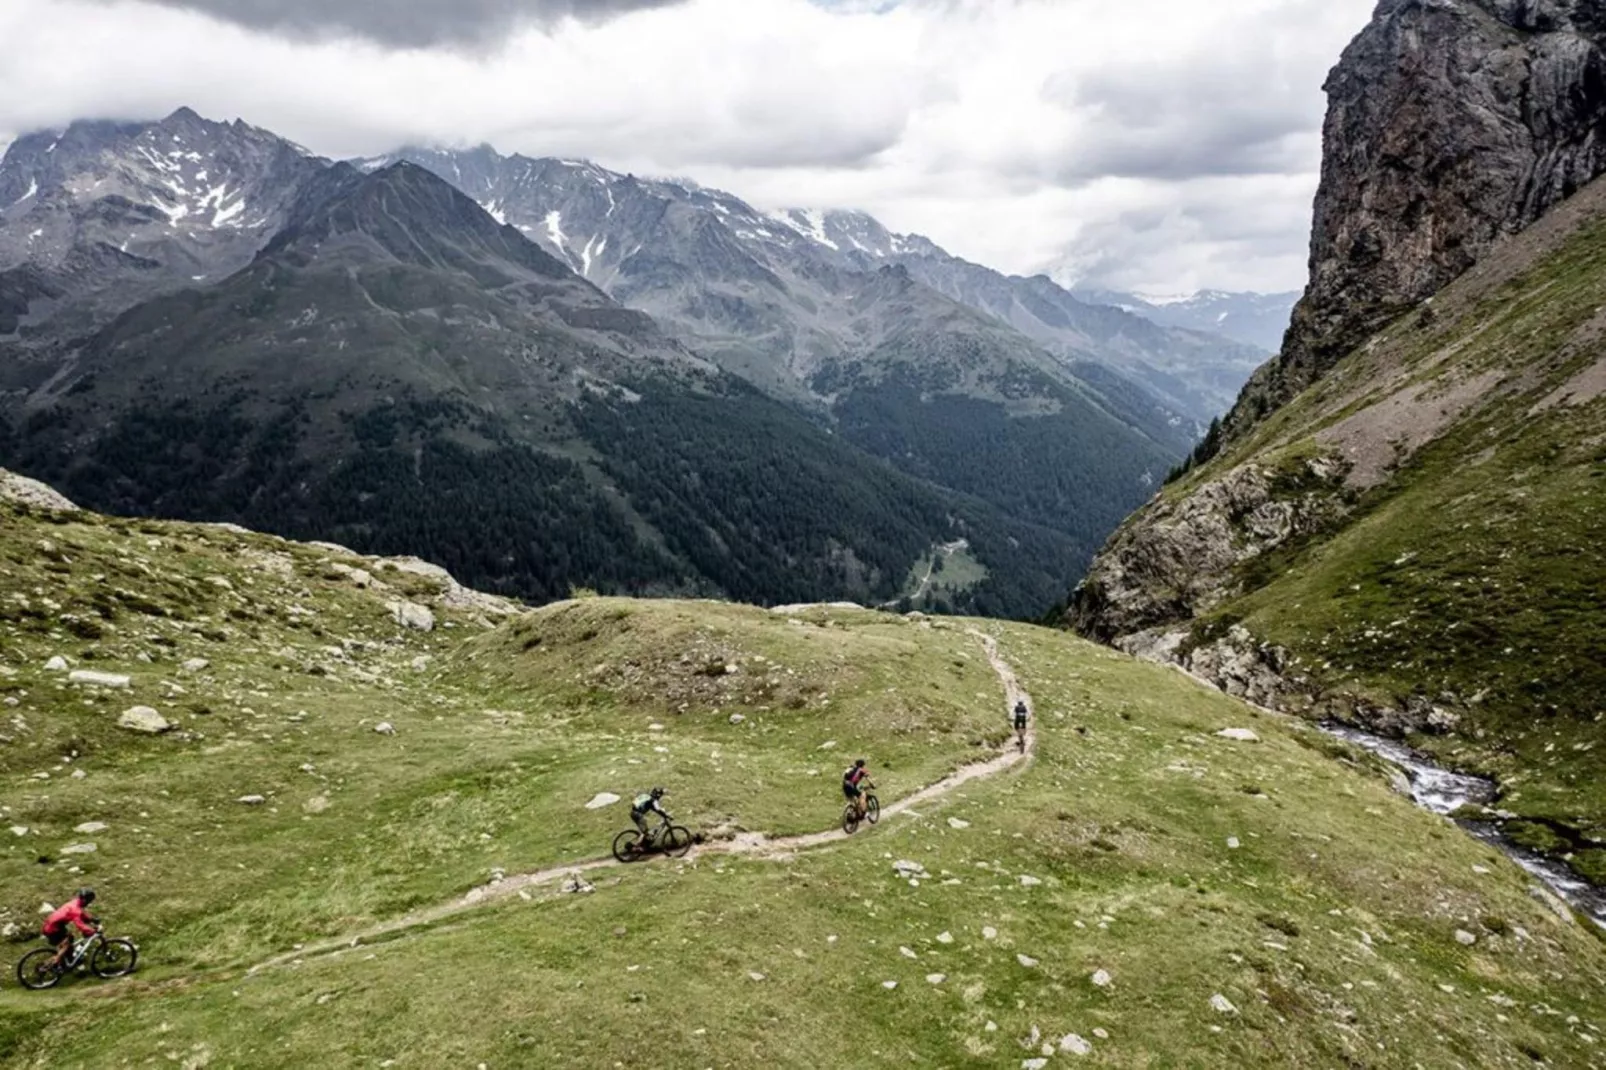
x=545 y=374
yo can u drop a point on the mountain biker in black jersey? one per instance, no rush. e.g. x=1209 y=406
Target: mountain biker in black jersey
x=854 y=780
x=1021 y=714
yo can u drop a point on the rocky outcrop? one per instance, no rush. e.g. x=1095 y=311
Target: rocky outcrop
x=1180 y=558
x=31 y=492
x=1451 y=123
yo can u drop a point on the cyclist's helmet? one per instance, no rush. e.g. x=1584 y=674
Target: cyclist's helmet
x=859 y=764
x=86 y=896
x=657 y=793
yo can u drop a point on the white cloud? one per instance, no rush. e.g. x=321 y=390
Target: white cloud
x=1166 y=144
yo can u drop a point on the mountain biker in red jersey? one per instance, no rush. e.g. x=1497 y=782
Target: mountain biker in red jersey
x=72 y=912
x=852 y=779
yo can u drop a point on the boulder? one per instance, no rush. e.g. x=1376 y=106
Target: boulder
x=1241 y=735
x=602 y=799
x=385 y=728
x=79 y=849
x=91 y=827
x=196 y=665
x=1072 y=1044
x=1222 y=1005
x=143 y=719
x=99 y=679
x=252 y=800
x=56 y=664
x=412 y=615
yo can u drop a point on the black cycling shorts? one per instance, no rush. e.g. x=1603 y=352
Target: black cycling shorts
x=58 y=937
x=850 y=790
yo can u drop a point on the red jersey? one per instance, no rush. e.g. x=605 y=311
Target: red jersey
x=72 y=912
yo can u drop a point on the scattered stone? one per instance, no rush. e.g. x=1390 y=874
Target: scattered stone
x=91 y=827
x=1221 y=1004
x=196 y=665
x=19 y=830
x=412 y=615
x=958 y=823
x=989 y=933
x=113 y=680
x=1026 y=961
x=1028 y=881
x=1102 y=978
x=385 y=728
x=601 y=799
x=79 y=849
x=252 y=800
x=1242 y=735
x=908 y=869
x=889 y=985
x=576 y=886
x=936 y=978
x=907 y=953
x=1033 y=1064
x=737 y=718
x=1102 y=1034
x=316 y=805
x=829 y=744
x=1465 y=938
x=421 y=663
x=945 y=938
x=1075 y=1045
x=56 y=664
x=655 y=727
x=755 y=975
x=143 y=719
x=1232 y=843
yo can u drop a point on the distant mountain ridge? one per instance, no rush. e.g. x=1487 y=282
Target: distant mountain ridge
x=760 y=286
x=1257 y=319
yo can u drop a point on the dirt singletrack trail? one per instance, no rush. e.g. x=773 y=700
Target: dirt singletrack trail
x=745 y=845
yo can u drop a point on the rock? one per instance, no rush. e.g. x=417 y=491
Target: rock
x=655 y=727
x=252 y=800
x=945 y=938
x=316 y=805
x=143 y=719
x=56 y=664
x=1222 y=1004
x=412 y=615
x=958 y=823
x=907 y=869
x=1028 y=881
x=989 y=933
x=115 y=681
x=10 y=931
x=755 y=975
x=1102 y=1034
x=908 y=953
x=737 y=718
x=1075 y=1045
x=91 y=827
x=601 y=799
x=79 y=849
x=889 y=985
x=385 y=728
x=1033 y=1064
x=1102 y=978
x=1233 y=843
x=1464 y=938
x=829 y=744
x=1241 y=735
x=1026 y=961
x=196 y=665
x=32 y=493
x=421 y=663
x=19 y=830
x=576 y=886
x=936 y=978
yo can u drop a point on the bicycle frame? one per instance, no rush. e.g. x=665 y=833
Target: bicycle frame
x=80 y=951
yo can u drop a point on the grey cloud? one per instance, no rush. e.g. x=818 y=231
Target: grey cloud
x=406 y=23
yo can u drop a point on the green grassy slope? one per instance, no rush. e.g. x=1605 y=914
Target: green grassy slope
x=1469 y=573
x=1283 y=875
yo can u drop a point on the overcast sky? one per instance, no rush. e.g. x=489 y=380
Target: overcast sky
x=1160 y=145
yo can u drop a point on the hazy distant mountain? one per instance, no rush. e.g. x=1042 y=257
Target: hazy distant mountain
x=1255 y=319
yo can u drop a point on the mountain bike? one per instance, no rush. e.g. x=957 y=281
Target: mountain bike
x=672 y=840
x=105 y=957
x=850 y=813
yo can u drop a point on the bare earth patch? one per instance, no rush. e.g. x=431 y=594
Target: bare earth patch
x=1377 y=438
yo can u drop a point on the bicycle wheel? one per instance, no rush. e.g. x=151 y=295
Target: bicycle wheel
x=872 y=808
x=675 y=841
x=114 y=958
x=627 y=845
x=850 y=819
x=37 y=970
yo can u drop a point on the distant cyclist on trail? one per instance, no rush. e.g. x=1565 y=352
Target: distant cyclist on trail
x=854 y=780
x=1021 y=714
x=74 y=912
x=647 y=803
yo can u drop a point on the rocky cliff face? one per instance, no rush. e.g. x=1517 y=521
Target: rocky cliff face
x=1451 y=123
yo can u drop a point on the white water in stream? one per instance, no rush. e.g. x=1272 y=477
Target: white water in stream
x=1444 y=792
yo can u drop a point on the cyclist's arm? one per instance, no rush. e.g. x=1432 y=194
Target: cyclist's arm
x=85 y=924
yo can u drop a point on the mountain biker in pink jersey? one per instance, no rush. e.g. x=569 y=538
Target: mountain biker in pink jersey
x=72 y=912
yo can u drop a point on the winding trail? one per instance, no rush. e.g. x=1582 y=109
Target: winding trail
x=745 y=845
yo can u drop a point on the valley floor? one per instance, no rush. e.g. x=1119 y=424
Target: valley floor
x=1143 y=892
